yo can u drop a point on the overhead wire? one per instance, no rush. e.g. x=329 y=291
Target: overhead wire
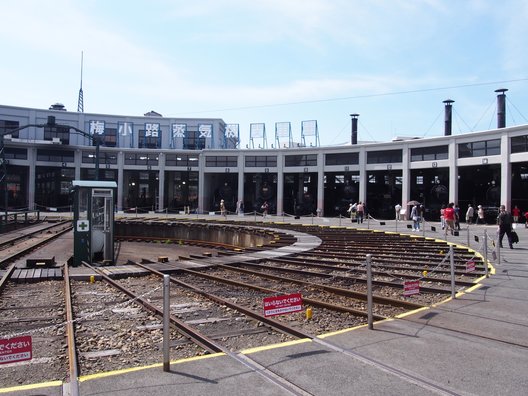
x=262 y=106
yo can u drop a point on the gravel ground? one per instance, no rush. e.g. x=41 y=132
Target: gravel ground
x=35 y=309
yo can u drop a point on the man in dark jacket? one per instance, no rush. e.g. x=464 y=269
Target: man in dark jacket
x=504 y=220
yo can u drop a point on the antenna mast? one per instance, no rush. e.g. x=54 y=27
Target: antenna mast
x=80 y=103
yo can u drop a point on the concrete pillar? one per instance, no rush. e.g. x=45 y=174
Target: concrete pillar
x=120 y=180
x=280 y=184
x=506 y=176
x=161 y=181
x=320 y=183
x=453 y=171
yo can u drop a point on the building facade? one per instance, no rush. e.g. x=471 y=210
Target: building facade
x=168 y=164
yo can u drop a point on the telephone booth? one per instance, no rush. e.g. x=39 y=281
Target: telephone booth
x=93 y=221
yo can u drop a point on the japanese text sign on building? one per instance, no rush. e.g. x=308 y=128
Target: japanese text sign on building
x=279 y=305
x=125 y=128
x=178 y=130
x=411 y=287
x=97 y=127
x=152 y=130
x=15 y=349
x=205 y=130
x=231 y=131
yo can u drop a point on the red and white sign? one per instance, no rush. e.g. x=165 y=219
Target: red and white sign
x=411 y=287
x=279 y=305
x=470 y=266
x=15 y=349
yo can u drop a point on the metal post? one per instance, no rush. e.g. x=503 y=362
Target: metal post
x=452 y=260
x=166 y=323
x=498 y=247
x=397 y=223
x=97 y=150
x=486 y=253
x=369 y=292
x=339 y=219
x=468 y=242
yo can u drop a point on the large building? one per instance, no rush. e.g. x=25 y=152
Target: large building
x=169 y=164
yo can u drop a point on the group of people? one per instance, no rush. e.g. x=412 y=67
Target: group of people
x=357 y=212
x=470 y=215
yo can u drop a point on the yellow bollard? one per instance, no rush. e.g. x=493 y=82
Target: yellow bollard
x=92 y=279
x=309 y=313
x=424 y=273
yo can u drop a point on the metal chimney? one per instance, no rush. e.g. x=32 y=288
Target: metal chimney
x=448 y=119
x=501 y=107
x=354 y=127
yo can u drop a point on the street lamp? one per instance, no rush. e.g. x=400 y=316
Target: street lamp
x=50 y=123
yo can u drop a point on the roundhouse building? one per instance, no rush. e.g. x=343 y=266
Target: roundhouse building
x=172 y=164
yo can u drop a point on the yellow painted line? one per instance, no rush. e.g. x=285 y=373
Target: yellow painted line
x=31 y=386
x=133 y=369
x=403 y=315
x=274 y=346
x=323 y=336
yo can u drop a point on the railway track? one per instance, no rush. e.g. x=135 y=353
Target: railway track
x=17 y=246
x=112 y=324
x=38 y=310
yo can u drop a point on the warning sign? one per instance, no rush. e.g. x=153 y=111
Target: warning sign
x=470 y=266
x=411 y=287
x=15 y=349
x=279 y=305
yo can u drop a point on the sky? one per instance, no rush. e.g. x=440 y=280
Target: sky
x=266 y=61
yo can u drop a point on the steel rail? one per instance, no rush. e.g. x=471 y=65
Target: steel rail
x=395 y=284
x=379 y=258
x=307 y=261
x=270 y=322
x=332 y=289
x=25 y=251
x=6 y=276
x=5 y=244
x=313 y=302
x=70 y=332
x=199 y=339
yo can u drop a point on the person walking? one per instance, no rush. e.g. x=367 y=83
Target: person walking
x=223 y=208
x=480 y=215
x=504 y=220
x=265 y=208
x=415 y=216
x=360 y=212
x=352 y=211
x=457 y=217
x=516 y=212
x=442 y=217
x=469 y=214
x=449 y=216
x=397 y=209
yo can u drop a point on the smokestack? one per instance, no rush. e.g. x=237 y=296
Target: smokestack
x=448 y=119
x=501 y=107
x=354 y=127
